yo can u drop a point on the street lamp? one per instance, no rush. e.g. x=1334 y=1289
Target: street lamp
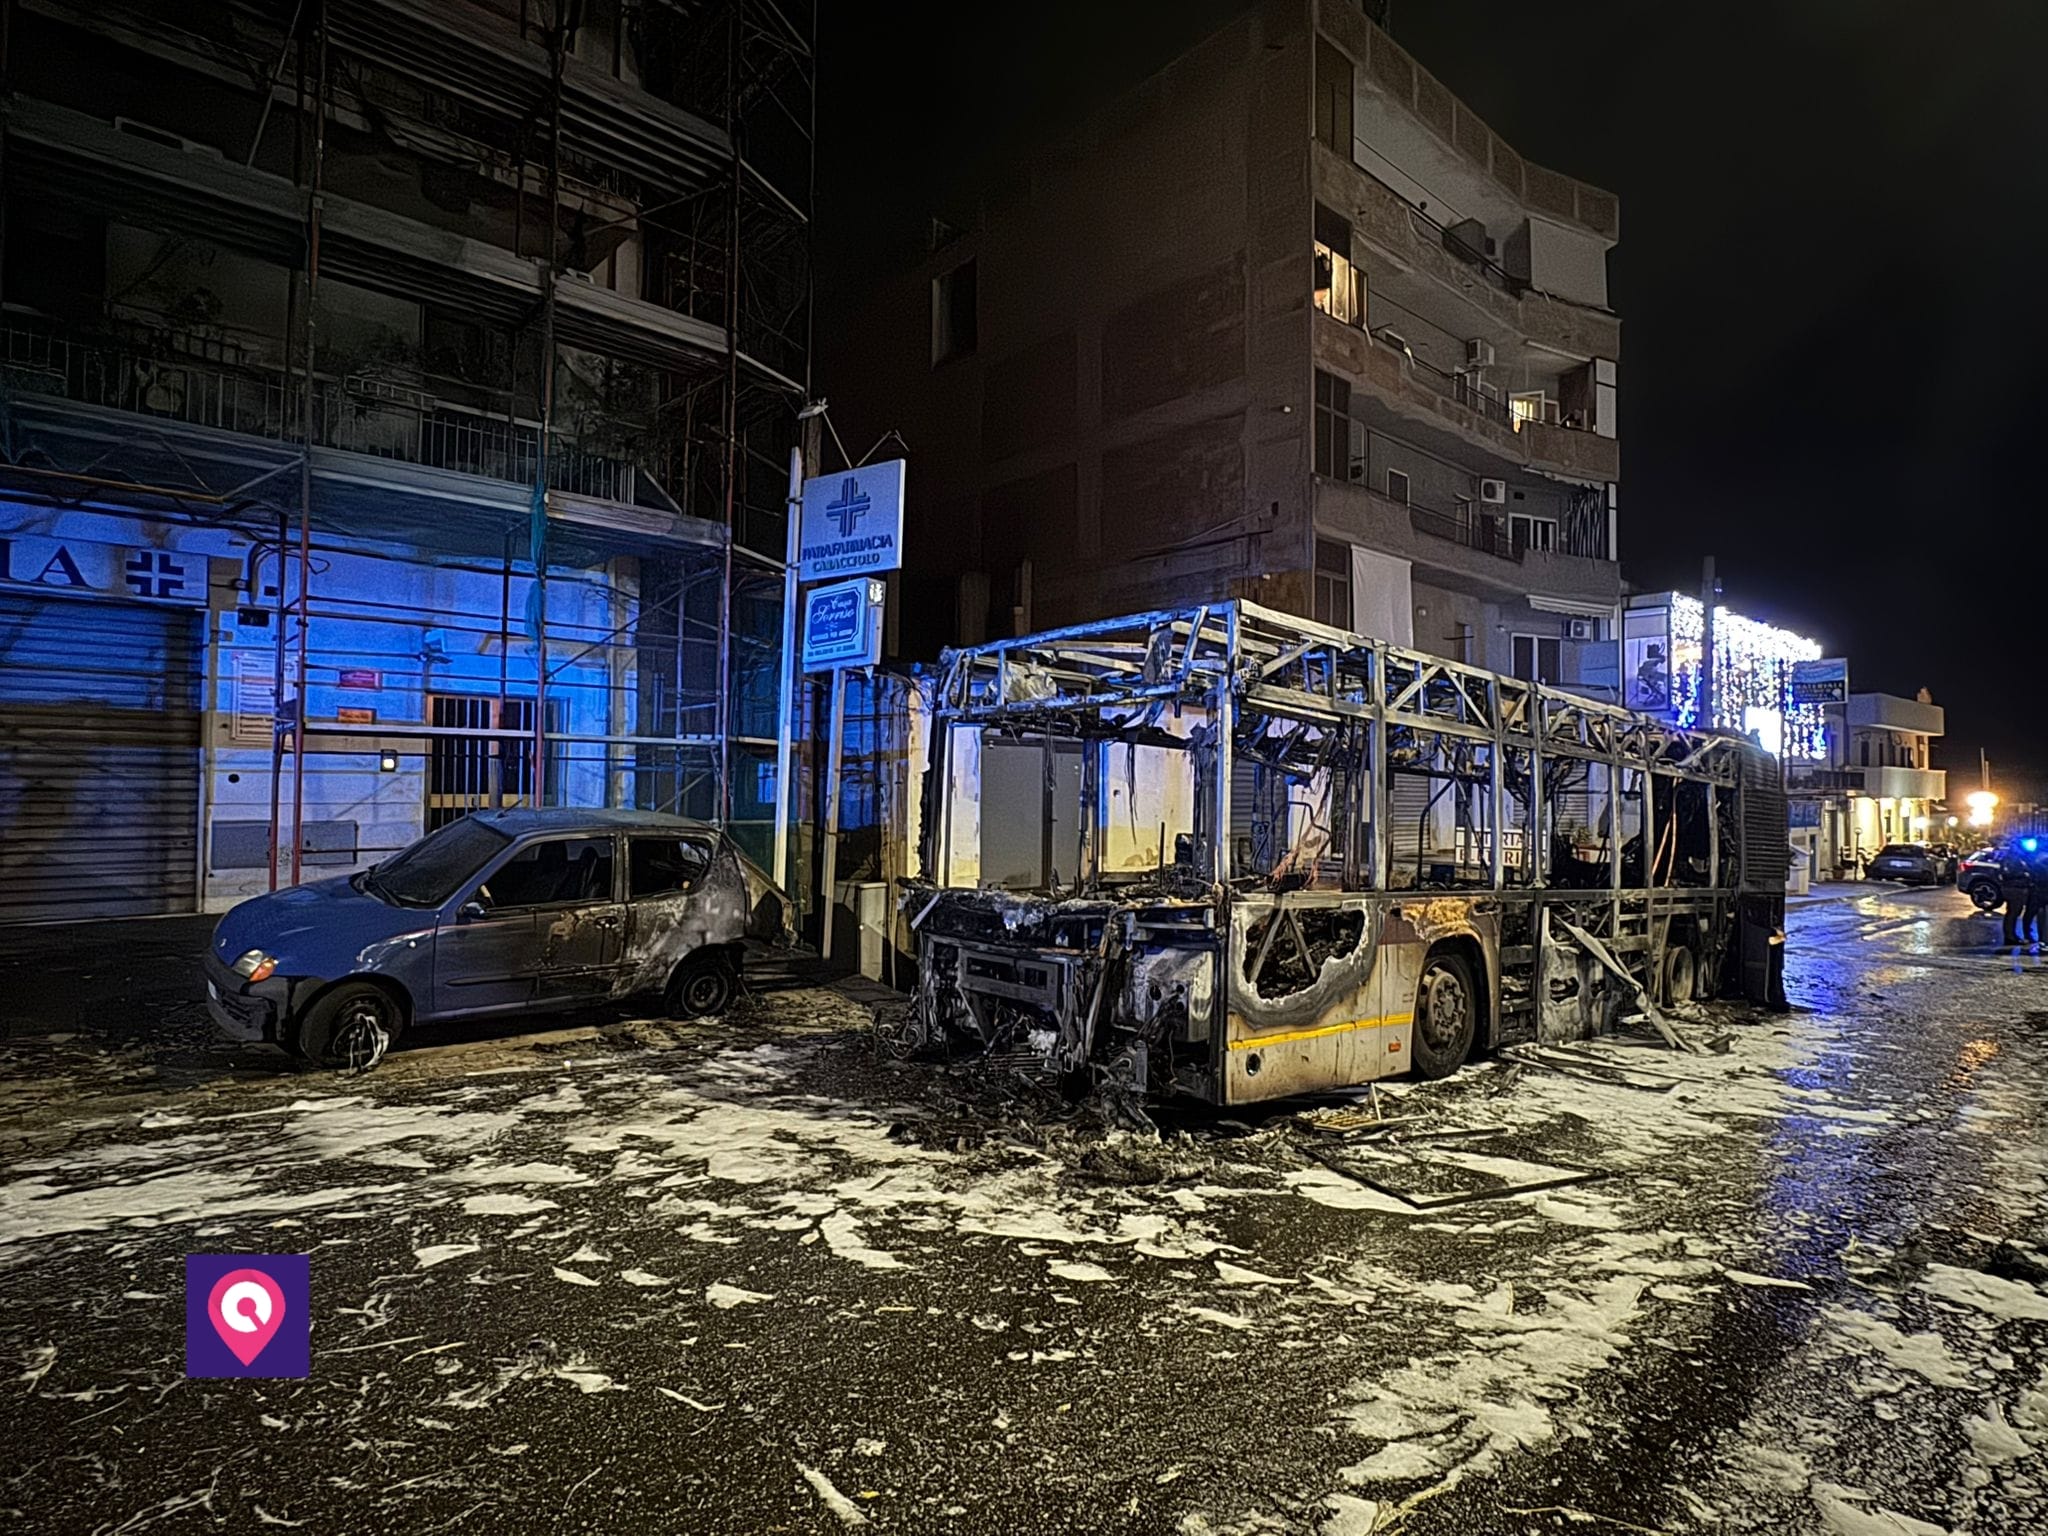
x=1981 y=803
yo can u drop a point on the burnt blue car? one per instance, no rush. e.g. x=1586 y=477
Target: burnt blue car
x=504 y=912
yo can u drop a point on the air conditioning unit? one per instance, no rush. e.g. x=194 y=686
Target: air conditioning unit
x=1494 y=492
x=1578 y=629
x=1478 y=353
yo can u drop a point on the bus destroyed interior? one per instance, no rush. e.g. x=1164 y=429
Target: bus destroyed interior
x=1232 y=854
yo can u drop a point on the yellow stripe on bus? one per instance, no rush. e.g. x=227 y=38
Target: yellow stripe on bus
x=1390 y=1021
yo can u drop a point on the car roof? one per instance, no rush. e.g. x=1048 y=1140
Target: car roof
x=521 y=822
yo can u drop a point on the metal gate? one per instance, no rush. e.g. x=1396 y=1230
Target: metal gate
x=468 y=773
x=99 y=758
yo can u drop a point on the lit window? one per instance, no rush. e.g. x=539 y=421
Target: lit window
x=1340 y=286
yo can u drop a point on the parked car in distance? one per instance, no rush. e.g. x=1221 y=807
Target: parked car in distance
x=502 y=912
x=1911 y=863
x=1981 y=878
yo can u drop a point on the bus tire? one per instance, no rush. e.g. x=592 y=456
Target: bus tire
x=1446 y=1015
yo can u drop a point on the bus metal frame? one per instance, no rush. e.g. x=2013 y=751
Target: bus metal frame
x=1233 y=975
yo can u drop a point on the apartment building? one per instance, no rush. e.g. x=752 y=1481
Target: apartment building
x=1875 y=785
x=393 y=394
x=1285 y=321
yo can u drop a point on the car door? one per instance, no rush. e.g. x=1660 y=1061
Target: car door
x=486 y=957
x=665 y=878
x=581 y=931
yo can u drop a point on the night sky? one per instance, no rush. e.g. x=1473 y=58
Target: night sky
x=1833 y=221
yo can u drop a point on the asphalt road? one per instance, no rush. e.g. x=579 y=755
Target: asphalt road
x=751 y=1276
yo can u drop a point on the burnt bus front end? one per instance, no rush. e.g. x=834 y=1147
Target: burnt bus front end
x=1087 y=991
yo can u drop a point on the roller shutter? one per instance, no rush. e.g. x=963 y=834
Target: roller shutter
x=99 y=758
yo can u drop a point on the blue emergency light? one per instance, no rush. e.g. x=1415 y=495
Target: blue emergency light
x=2030 y=844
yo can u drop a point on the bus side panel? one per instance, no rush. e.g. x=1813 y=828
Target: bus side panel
x=1309 y=1043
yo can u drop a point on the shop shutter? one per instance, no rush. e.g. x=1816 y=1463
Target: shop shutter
x=99 y=758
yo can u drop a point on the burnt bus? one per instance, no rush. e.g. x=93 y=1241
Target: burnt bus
x=1233 y=854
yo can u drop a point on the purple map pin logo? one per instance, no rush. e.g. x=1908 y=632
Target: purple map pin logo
x=246 y=1315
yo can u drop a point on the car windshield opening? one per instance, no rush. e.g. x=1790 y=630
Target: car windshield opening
x=432 y=869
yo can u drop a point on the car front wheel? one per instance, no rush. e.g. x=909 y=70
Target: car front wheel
x=1985 y=898
x=349 y=1027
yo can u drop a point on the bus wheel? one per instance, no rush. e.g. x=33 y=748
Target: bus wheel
x=1446 y=1015
x=1681 y=974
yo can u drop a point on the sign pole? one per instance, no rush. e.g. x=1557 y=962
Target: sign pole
x=785 y=748
x=829 y=901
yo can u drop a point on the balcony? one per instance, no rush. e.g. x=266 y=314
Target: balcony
x=156 y=378
x=1418 y=390
x=1468 y=548
x=71 y=159
x=1878 y=782
x=1473 y=530
x=1416 y=244
x=1905 y=783
x=1889 y=712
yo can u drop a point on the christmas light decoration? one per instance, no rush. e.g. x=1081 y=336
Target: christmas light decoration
x=1752 y=666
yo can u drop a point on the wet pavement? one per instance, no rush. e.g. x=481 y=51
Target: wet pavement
x=753 y=1275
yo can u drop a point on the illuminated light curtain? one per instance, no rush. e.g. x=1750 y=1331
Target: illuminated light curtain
x=1751 y=663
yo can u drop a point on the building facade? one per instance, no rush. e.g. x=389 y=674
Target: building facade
x=393 y=397
x=1875 y=785
x=1286 y=321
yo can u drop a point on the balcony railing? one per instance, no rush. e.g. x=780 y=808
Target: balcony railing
x=1474 y=530
x=359 y=414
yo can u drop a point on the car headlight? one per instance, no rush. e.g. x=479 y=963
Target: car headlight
x=256 y=965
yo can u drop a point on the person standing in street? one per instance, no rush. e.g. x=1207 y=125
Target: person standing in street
x=2037 y=889
x=2016 y=884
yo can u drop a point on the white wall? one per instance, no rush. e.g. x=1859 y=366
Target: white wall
x=1567 y=263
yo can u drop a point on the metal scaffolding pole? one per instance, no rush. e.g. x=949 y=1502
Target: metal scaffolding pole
x=558 y=45
x=732 y=417
x=306 y=447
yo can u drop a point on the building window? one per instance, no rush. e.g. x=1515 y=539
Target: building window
x=1333 y=583
x=1334 y=428
x=1538 y=658
x=1397 y=486
x=1533 y=532
x=1532 y=405
x=1340 y=286
x=1333 y=99
x=954 y=313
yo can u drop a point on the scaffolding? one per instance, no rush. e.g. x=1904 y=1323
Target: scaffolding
x=541 y=563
